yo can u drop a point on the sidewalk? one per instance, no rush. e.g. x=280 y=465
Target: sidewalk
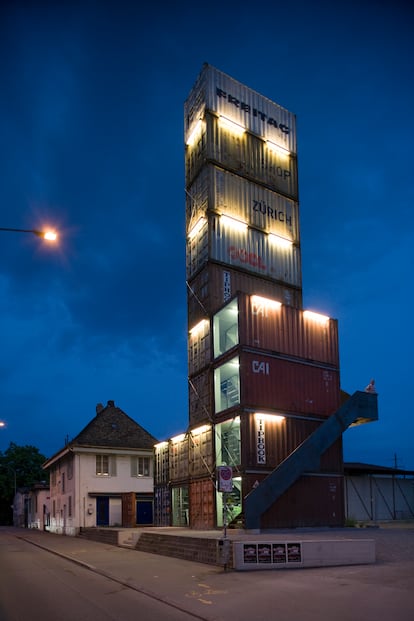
x=384 y=589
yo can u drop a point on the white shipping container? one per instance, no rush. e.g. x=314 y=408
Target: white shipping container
x=218 y=92
x=253 y=251
x=235 y=196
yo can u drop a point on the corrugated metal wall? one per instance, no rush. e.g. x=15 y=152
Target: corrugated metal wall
x=280 y=439
x=219 y=191
x=313 y=501
x=162 y=505
x=210 y=289
x=274 y=383
x=201 y=457
x=179 y=459
x=199 y=397
x=202 y=504
x=287 y=330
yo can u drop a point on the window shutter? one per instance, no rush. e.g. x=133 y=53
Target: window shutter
x=112 y=466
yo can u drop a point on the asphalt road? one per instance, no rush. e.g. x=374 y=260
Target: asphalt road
x=111 y=576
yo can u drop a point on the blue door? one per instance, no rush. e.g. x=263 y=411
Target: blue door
x=144 y=512
x=102 y=511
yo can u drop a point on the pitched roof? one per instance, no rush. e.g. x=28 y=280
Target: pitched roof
x=111 y=427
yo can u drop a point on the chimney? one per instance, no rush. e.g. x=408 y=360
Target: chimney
x=111 y=404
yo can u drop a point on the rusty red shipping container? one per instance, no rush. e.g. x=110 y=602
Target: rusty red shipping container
x=287 y=330
x=202 y=504
x=210 y=289
x=273 y=383
x=313 y=501
x=278 y=440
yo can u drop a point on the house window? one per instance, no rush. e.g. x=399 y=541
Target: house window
x=105 y=465
x=70 y=469
x=63 y=483
x=140 y=466
x=54 y=508
x=70 y=506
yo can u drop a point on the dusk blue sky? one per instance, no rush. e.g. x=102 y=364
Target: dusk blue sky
x=91 y=141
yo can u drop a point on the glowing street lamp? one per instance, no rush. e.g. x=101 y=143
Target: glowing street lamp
x=48 y=235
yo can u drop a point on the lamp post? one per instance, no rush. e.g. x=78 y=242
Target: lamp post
x=49 y=235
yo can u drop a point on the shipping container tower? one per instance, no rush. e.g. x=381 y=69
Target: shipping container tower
x=263 y=372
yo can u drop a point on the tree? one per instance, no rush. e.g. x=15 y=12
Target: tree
x=20 y=466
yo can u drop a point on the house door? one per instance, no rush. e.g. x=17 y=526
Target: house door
x=144 y=512
x=102 y=511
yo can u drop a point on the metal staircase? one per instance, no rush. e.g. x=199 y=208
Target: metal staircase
x=361 y=407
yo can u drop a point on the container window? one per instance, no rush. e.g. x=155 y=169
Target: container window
x=227 y=385
x=228 y=443
x=226 y=328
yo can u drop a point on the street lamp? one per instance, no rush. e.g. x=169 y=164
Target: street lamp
x=49 y=235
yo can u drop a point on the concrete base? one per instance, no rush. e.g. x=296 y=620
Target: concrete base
x=298 y=554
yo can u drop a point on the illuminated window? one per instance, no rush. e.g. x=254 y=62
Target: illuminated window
x=225 y=328
x=227 y=385
x=105 y=465
x=228 y=443
x=140 y=466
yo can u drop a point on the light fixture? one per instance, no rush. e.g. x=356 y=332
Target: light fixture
x=232 y=223
x=196 y=130
x=48 y=234
x=235 y=128
x=202 y=429
x=178 y=438
x=199 y=327
x=257 y=300
x=282 y=242
x=197 y=227
x=271 y=418
x=277 y=149
x=315 y=316
x=161 y=445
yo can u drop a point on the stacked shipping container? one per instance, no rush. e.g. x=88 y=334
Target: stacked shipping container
x=261 y=382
